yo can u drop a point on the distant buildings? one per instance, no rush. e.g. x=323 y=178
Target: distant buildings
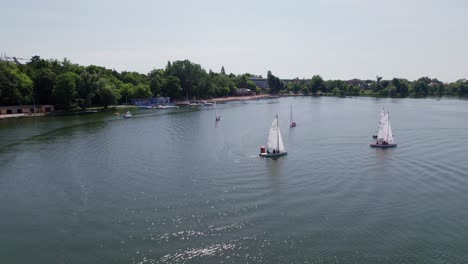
x=260 y=82
x=26 y=109
x=244 y=92
x=362 y=84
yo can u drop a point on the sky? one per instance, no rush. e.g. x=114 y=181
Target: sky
x=337 y=39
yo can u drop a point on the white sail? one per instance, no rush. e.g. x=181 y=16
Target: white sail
x=390 y=139
x=382 y=131
x=280 y=141
x=273 y=135
x=217 y=115
x=385 y=130
x=275 y=141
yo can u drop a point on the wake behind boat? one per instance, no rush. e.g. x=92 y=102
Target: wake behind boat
x=384 y=137
x=275 y=146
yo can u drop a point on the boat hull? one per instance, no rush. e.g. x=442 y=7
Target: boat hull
x=373 y=145
x=273 y=155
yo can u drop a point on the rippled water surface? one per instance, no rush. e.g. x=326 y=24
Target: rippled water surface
x=173 y=186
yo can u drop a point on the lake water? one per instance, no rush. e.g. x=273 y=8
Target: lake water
x=174 y=186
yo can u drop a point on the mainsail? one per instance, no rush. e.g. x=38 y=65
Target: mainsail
x=385 y=129
x=217 y=115
x=382 y=131
x=274 y=137
x=389 y=132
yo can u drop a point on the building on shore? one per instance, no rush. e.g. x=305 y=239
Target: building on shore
x=244 y=92
x=26 y=109
x=260 y=82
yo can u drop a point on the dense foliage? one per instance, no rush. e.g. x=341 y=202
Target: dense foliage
x=71 y=86
x=421 y=87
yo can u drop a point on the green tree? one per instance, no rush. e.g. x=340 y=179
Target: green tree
x=192 y=76
x=142 y=91
x=65 y=91
x=156 y=79
x=274 y=83
x=108 y=95
x=87 y=88
x=127 y=92
x=316 y=84
x=44 y=81
x=15 y=86
x=222 y=84
x=336 y=91
x=421 y=86
x=171 y=87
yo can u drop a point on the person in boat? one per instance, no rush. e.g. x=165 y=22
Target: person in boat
x=268 y=151
x=385 y=143
x=273 y=151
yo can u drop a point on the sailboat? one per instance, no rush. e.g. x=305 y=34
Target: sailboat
x=291 y=122
x=217 y=115
x=384 y=137
x=128 y=115
x=275 y=146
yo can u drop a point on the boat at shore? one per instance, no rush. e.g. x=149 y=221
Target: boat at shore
x=275 y=146
x=384 y=137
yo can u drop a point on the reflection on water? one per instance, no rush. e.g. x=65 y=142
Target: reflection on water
x=172 y=187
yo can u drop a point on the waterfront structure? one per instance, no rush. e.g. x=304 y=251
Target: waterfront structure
x=244 y=92
x=152 y=101
x=26 y=109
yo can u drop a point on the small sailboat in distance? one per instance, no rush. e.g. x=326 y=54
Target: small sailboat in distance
x=291 y=122
x=217 y=115
x=275 y=146
x=384 y=137
x=128 y=115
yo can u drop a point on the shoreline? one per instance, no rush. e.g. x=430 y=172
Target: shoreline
x=242 y=98
x=93 y=110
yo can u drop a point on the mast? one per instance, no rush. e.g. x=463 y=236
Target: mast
x=388 y=124
x=290 y=117
x=277 y=133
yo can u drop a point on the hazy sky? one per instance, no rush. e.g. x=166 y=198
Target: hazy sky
x=338 y=39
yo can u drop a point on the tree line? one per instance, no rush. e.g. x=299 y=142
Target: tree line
x=395 y=87
x=71 y=86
